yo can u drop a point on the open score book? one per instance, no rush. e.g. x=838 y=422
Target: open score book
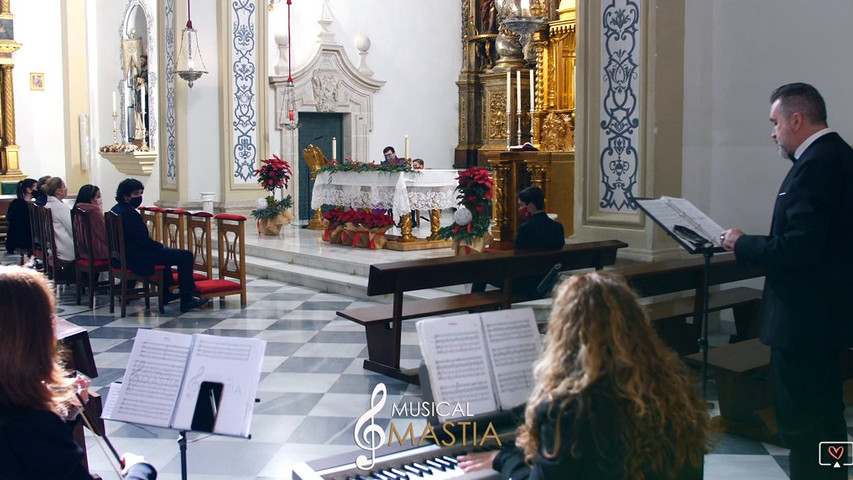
x=669 y=212
x=167 y=371
x=484 y=361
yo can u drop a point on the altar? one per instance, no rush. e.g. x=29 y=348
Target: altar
x=401 y=192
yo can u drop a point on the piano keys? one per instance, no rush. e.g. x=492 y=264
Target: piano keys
x=427 y=462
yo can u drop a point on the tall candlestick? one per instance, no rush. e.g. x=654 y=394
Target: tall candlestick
x=114 y=102
x=334 y=149
x=508 y=90
x=532 y=90
x=518 y=90
x=407 y=147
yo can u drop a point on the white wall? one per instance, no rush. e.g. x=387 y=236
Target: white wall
x=736 y=53
x=416 y=48
x=39 y=118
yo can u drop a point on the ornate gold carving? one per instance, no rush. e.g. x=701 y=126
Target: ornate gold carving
x=497 y=116
x=434 y=221
x=315 y=159
x=558 y=132
x=8 y=106
x=5 y=6
x=463 y=119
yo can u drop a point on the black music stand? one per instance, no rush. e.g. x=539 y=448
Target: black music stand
x=694 y=243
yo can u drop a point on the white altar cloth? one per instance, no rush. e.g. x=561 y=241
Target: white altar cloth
x=400 y=191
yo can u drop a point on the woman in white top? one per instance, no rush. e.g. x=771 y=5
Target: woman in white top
x=56 y=191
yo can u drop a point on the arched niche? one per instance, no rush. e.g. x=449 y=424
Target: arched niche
x=137 y=89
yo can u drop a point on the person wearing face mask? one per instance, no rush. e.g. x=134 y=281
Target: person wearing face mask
x=143 y=253
x=20 y=237
x=89 y=200
x=56 y=191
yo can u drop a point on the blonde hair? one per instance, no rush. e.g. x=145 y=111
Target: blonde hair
x=52 y=185
x=31 y=371
x=598 y=332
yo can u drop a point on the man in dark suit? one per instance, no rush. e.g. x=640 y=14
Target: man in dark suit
x=143 y=253
x=806 y=316
x=537 y=232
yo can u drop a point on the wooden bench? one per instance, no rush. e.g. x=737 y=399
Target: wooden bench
x=669 y=316
x=383 y=323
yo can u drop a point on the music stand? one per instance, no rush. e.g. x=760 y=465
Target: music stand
x=668 y=218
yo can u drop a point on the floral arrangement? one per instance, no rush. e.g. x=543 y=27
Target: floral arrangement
x=273 y=174
x=357 y=228
x=473 y=216
x=350 y=165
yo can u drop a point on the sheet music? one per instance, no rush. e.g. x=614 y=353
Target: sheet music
x=670 y=211
x=153 y=378
x=455 y=355
x=514 y=345
x=234 y=362
x=110 y=403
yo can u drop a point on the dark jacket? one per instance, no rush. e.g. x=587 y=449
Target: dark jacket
x=37 y=445
x=138 y=245
x=19 y=234
x=540 y=232
x=807 y=300
x=599 y=452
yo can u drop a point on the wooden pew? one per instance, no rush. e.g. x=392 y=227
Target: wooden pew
x=669 y=316
x=383 y=323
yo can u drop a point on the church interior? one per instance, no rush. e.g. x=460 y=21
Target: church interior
x=617 y=100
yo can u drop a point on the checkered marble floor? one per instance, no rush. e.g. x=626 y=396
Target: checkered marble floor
x=312 y=388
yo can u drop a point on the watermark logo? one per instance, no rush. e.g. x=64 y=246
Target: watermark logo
x=835 y=454
x=373 y=435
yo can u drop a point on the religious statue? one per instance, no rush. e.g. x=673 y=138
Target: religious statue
x=140 y=114
x=488 y=15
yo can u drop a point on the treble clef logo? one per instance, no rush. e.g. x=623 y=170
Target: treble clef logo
x=372 y=434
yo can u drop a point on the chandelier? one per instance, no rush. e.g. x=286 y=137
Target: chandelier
x=189 y=39
x=290 y=117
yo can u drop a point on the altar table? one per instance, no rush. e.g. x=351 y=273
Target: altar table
x=402 y=192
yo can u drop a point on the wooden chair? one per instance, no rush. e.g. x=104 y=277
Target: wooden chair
x=61 y=272
x=84 y=255
x=36 y=223
x=200 y=243
x=152 y=217
x=174 y=228
x=231 y=241
x=119 y=270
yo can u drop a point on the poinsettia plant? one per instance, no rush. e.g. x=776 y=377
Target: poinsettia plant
x=274 y=173
x=350 y=165
x=473 y=216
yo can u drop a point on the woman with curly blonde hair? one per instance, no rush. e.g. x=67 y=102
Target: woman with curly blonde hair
x=611 y=400
x=38 y=399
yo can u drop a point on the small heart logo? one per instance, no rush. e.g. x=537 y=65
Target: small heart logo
x=836 y=452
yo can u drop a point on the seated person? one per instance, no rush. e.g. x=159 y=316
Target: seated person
x=418 y=164
x=56 y=191
x=611 y=401
x=39 y=195
x=20 y=237
x=143 y=253
x=89 y=200
x=391 y=158
x=537 y=232
x=38 y=400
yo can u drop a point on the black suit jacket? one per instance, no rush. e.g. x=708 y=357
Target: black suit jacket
x=540 y=232
x=37 y=444
x=138 y=245
x=808 y=300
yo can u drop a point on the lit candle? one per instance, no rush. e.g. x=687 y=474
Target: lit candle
x=115 y=95
x=190 y=64
x=407 y=147
x=290 y=115
x=334 y=149
x=143 y=96
x=532 y=90
x=508 y=90
x=518 y=90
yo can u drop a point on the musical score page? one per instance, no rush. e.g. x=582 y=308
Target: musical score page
x=455 y=355
x=153 y=378
x=672 y=211
x=514 y=345
x=236 y=363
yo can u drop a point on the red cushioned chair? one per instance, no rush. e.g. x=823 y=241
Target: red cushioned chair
x=151 y=216
x=115 y=238
x=174 y=228
x=61 y=272
x=200 y=243
x=231 y=241
x=86 y=262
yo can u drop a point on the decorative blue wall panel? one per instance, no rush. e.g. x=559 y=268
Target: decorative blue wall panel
x=244 y=70
x=619 y=116
x=171 y=147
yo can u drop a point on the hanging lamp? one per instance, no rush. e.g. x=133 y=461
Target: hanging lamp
x=289 y=116
x=189 y=40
